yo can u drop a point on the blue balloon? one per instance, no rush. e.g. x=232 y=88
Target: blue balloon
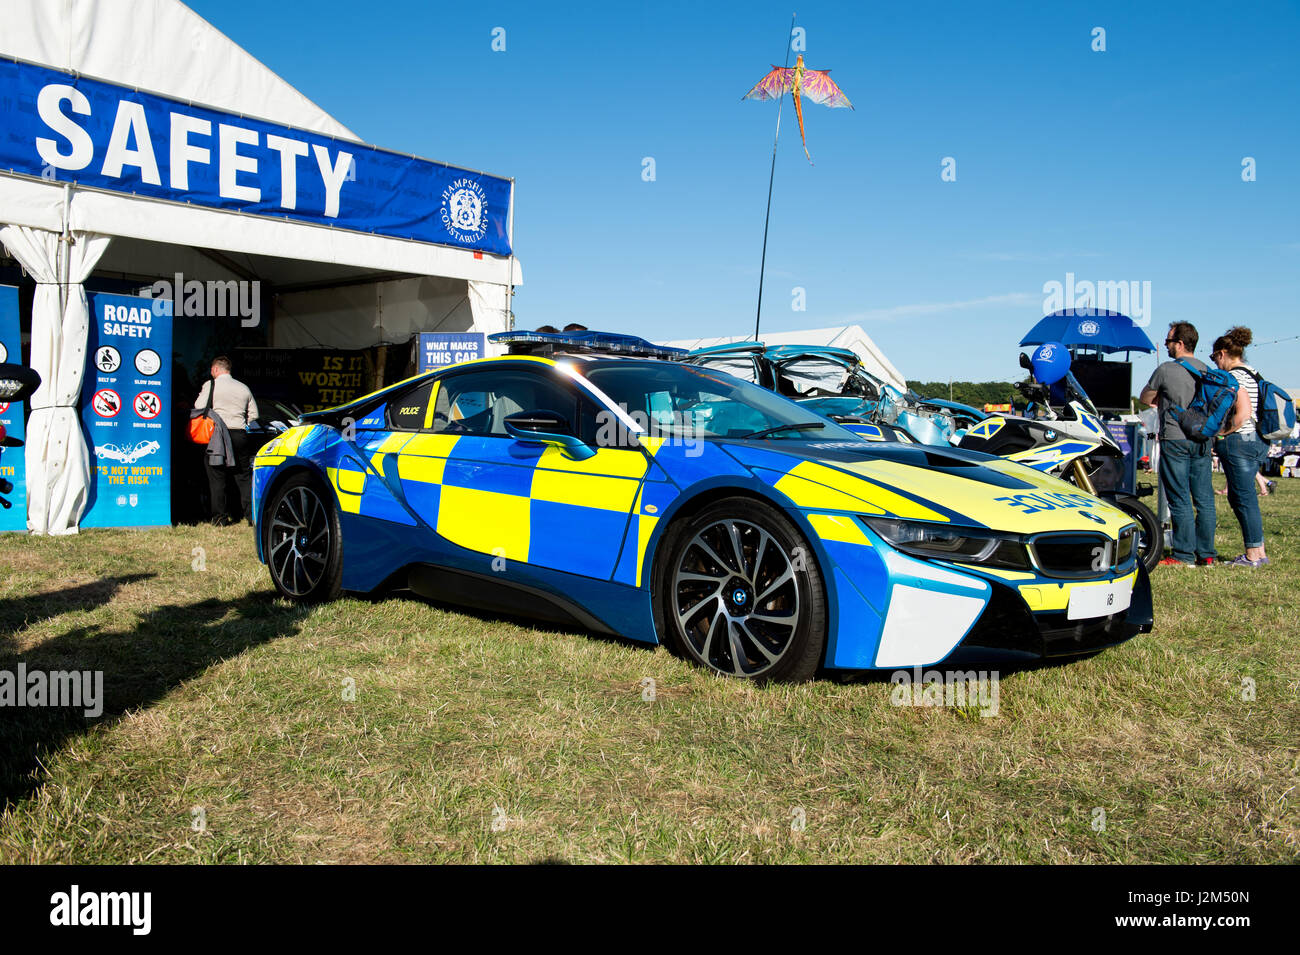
x=1051 y=361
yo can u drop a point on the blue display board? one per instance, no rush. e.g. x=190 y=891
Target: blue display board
x=12 y=466
x=69 y=128
x=440 y=349
x=126 y=411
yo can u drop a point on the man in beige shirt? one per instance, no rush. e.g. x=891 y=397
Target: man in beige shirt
x=233 y=403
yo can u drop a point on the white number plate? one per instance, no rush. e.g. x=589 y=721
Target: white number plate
x=1100 y=600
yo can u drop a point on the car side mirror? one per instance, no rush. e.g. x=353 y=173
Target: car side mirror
x=548 y=428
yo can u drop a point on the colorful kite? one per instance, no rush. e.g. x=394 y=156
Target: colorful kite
x=817 y=85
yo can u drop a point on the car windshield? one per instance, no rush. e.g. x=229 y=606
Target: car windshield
x=681 y=400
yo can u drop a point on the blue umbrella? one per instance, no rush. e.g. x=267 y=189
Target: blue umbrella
x=1096 y=328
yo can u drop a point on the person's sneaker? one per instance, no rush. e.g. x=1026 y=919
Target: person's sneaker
x=1174 y=562
x=1205 y=562
x=1241 y=560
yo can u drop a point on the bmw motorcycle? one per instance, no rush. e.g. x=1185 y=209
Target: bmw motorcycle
x=1066 y=438
x=17 y=382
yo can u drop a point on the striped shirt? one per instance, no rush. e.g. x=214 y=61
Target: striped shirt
x=1248 y=384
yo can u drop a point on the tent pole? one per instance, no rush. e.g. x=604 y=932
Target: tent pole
x=510 y=293
x=762 y=267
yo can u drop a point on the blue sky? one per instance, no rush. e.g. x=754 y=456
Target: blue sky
x=1123 y=165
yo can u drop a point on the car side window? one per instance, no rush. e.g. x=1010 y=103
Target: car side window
x=409 y=410
x=478 y=402
x=746 y=369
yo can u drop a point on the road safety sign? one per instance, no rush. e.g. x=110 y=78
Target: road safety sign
x=106 y=403
x=108 y=359
x=148 y=405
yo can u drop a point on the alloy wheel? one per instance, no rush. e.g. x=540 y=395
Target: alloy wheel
x=736 y=597
x=299 y=541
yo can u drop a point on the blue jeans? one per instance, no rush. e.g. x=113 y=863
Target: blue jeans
x=1185 y=481
x=1242 y=454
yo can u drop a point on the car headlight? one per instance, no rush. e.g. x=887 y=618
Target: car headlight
x=967 y=545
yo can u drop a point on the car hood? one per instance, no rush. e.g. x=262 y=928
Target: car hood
x=921 y=482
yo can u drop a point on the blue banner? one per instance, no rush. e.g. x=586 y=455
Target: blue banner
x=126 y=411
x=439 y=349
x=12 y=466
x=70 y=128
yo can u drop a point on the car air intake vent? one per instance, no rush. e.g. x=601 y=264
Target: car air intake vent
x=939 y=460
x=1072 y=555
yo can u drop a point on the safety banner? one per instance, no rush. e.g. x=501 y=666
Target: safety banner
x=12 y=466
x=126 y=411
x=69 y=128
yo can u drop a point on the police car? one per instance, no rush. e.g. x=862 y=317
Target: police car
x=598 y=481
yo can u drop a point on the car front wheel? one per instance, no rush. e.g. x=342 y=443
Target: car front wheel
x=303 y=541
x=739 y=590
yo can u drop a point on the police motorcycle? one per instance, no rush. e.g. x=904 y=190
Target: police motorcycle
x=17 y=382
x=1061 y=433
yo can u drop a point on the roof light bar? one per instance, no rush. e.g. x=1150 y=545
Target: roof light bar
x=542 y=343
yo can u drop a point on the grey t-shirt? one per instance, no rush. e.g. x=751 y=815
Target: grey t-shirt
x=1175 y=386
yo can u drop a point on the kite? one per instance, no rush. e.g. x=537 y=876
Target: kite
x=799 y=81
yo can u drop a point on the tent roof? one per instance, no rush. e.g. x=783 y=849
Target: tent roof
x=186 y=58
x=195 y=62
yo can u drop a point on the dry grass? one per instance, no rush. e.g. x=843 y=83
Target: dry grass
x=476 y=739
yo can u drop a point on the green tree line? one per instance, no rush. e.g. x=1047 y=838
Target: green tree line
x=974 y=393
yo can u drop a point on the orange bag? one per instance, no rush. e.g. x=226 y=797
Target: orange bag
x=201 y=428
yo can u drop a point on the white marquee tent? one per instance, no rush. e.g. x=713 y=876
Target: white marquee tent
x=335 y=288
x=853 y=337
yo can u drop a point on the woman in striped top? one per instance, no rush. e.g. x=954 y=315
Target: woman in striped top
x=1240 y=448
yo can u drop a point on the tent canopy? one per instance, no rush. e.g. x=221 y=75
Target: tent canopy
x=142 y=141
x=100 y=40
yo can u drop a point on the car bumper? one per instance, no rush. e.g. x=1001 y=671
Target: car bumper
x=1008 y=623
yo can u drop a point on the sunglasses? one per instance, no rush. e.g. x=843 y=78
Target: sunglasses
x=1170 y=341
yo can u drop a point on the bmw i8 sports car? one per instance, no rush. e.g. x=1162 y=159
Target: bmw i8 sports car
x=670 y=503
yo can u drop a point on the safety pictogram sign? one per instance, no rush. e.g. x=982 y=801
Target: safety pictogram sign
x=106 y=403
x=148 y=405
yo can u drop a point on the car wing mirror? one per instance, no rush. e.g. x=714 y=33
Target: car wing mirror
x=547 y=428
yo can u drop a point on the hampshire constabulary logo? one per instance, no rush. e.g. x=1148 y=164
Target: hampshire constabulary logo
x=464 y=210
x=1089 y=328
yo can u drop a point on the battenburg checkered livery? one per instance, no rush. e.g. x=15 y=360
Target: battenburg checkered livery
x=666 y=502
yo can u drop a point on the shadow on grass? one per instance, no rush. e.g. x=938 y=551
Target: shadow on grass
x=1003 y=662
x=141 y=664
x=524 y=622
x=17 y=613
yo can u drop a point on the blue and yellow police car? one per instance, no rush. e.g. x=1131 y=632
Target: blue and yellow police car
x=597 y=481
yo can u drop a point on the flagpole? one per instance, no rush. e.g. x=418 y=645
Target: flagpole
x=762 y=268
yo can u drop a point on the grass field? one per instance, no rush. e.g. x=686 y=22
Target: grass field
x=239 y=728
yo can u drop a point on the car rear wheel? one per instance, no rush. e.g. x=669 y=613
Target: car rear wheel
x=303 y=542
x=739 y=590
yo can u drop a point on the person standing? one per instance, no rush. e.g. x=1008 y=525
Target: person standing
x=1240 y=448
x=233 y=403
x=1184 y=464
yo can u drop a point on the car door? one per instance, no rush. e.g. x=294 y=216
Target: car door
x=488 y=492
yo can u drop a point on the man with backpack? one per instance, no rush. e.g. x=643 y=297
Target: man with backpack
x=1184 y=457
